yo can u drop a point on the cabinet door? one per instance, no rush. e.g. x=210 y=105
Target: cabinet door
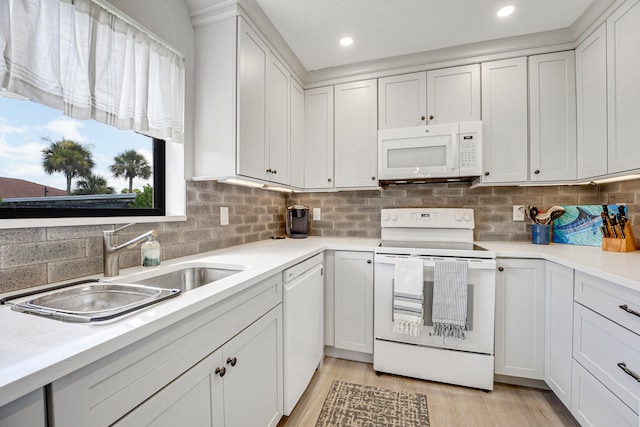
x=623 y=63
x=519 y=337
x=194 y=398
x=29 y=410
x=296 y=133
x=252 y=80
x=402 y=101
x=552 y=116
x=253 y=390
x=453 y=94
x=278 y=122
x=318 y=140
x=504 y=120
x=591 y=93
x=558 y=330
x=354 y=301
x=356 y=134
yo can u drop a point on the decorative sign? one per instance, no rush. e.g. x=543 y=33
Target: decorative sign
x=580 y=225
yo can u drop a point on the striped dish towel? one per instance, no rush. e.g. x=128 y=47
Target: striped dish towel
x=408 y=297
x=450 y=299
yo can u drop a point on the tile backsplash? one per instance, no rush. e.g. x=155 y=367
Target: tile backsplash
x=36 y=256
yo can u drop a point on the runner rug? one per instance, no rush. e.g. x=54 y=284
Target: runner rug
x=350 y=405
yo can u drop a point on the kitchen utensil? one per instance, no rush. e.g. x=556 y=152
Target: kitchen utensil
x=621 y=223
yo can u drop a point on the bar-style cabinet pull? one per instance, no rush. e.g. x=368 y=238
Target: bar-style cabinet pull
x=628 y=371
x=628 y=310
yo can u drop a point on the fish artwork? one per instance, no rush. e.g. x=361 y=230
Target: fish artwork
x=580 y=225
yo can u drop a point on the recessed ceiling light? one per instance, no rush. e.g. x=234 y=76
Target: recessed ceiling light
x=506 y=11
x=346 y=41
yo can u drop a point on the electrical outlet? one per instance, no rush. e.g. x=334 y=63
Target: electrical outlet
x=518 y=212
x=316 y=214
x=224 y=215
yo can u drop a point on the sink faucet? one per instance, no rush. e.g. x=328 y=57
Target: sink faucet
x=111 y=253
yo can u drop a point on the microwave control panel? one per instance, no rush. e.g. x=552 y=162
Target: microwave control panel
x=470 y=148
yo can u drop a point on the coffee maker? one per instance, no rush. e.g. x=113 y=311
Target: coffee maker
x=297 y=221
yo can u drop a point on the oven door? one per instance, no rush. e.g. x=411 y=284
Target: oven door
x=420 y=152
x=480 y=305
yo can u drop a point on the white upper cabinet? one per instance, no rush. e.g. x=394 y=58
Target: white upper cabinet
x=296 y=133
x=504 y=120
x=252 y=89
x=242 y=123
x=552 y=116
x=356 y=134
x=591 y=93
x=453 y=94
x=278 y=164
x=402 y=101
x=318 y=140
x=623 y=65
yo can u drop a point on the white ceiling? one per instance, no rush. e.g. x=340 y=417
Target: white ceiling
x=386 y=28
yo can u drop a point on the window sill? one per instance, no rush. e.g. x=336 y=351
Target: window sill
x=65 y=222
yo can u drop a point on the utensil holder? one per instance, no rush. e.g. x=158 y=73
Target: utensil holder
x=540 y=234
x=627 y=244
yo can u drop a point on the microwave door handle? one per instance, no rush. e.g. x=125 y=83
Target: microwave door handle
x=454 y=161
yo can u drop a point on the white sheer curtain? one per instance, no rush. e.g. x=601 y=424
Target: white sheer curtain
x=79 y=57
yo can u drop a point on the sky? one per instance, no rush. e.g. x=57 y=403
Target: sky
x=24 y=124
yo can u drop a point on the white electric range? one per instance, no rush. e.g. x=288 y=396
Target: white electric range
x=431 y=234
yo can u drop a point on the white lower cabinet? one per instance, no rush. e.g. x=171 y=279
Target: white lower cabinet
x=29 y=410
x=592 y=404
x=244 y=373
x=519 y=339
x=166 y=367
x=558 y=327
x=353 y=301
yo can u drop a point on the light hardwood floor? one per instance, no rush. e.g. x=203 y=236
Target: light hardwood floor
x=449 y=406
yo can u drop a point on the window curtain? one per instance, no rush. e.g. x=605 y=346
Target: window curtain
x=81 y=58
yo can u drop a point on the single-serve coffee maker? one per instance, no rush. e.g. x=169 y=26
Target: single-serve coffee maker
x=297 y=221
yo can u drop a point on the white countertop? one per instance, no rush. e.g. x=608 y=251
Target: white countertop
x=35 y=351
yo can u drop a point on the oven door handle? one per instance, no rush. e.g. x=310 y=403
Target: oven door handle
x=431 y=262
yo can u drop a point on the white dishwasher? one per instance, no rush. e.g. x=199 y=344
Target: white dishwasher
x=303 y=327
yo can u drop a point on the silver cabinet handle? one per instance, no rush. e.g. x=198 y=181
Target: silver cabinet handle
x=628 y=371
x=628 y=310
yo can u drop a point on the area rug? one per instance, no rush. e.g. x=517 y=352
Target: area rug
x=351 y=405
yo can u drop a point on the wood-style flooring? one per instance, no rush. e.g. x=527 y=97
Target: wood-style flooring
x=449 y=406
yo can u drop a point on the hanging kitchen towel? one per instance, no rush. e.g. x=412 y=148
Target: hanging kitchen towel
x=408 y=297
x=450 y=299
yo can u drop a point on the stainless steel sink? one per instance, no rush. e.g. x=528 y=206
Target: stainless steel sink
x=188 y=278
x=90 y=301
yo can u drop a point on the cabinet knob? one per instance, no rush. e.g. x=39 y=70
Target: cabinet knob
x=221 y=371
x=537 y=171
x=486 y=174
x=232 y=361
x=500 y=268
x=329 y=179
x=430 y=117
x=423 y=118
x=373 y=178
x=274 y=171
x=368 y=261
x=269 y=170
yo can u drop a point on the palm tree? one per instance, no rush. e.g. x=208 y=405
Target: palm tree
x=93 y=184
x=68 y=157
x=129 y=165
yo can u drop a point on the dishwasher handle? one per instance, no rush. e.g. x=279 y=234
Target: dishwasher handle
x=299 y=269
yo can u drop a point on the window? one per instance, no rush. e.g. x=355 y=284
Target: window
x=110 y=77
x=54 y=166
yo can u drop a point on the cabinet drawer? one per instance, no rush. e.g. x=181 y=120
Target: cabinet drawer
x=607 y=298
x=592 y=404
x=600 y=346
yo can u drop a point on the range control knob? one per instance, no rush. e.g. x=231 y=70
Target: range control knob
x=394 y=218
x=467 y=216
x=458 y=217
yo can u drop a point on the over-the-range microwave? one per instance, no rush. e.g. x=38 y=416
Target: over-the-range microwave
x=430 y=153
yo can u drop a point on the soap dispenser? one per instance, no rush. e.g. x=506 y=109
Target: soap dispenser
x=150 y=252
